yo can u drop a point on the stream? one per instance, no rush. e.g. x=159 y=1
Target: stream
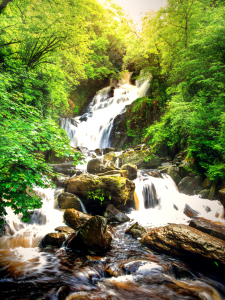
x=127 y=270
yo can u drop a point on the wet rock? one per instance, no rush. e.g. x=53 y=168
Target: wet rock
x=136 y=230
x=174 y=173
x=53 y=239
x=181 y=272
x=113 y=172
x=96 y=192
x=92 y=237
x=63 y=292
x=133 y=266
x=98 y=152
x=185 y=241
x=132 y=171
x=111 y=156
x=204 y=193
x=96 y=166
x=212 y=190
x=155 y=174
x=188 y=211
x=221 y=196
x=68 y=200
x=210 y=228
x=163 y=169
x=66 y=168
x=143 y=159
x=75 y=219
x=5 y=230
x=107 y=150
x=65 y=229
x=190 y=185
x=207 y=183
x=113 y=215
x=60 y=180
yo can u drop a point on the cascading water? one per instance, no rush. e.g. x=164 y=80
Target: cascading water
x=96 y=124
x=31 y=272
x=160 y=203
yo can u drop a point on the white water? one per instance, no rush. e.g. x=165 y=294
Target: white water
x=95 y=131
x=167 y=205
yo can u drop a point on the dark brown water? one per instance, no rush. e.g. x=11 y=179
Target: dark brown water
x=126 y=271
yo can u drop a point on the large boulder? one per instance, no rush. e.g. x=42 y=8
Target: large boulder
x=143 y=159
x=96 y=166
x=75 y=219
x=185 y=241
x=93 y=237
x=53 y=239
x=190 y=212
x=113 y=215
x=221 y=196
x=208 y=227
x=65 y=229
x=132 y=171
x=190 y=185
x=68 y=200
x=60 y=180
x=96 y=192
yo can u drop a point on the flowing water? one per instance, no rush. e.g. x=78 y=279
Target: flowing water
x=128 y=270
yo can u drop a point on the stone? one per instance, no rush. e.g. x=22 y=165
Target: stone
x=53 y=239
x=190 y=185
x=208 y=227
x=132 y=171
x=75 y=219
x=96 y=192
x=185 y=241
x=107 y=150
x=188 y=211
x=204 y=193
x=95 y=166
x=212 y=190
x=221 y=196
x=174 y=173
x=60 y=180
x=155 y=174
x=113 y=215
x=92 y=237
x=65 y=229
x=143 y=159
x=98 y=152
x=111 y=156
x=207 y=183
x=181 y=272
x=68 y=200
x=65 y=168
x=63 y=292
x=136 y=230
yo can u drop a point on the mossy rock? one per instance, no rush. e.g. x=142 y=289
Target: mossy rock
x=96 y=192
x=143 y=159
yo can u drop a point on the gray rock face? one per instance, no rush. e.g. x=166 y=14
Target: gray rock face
x=174 y=173
x=190 y=185
x=210 y=228
x=132 y=169
x=68 y=200
x=75 y=219
x=183 y=240
x=53 y=239
x=113 y=215
x=93 y=237
x=96 y=166
x=205 y=193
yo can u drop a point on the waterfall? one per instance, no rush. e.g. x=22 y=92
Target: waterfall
x=160 y=203
x=94 y=127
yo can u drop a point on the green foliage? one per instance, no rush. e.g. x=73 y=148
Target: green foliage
x=99 y=194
